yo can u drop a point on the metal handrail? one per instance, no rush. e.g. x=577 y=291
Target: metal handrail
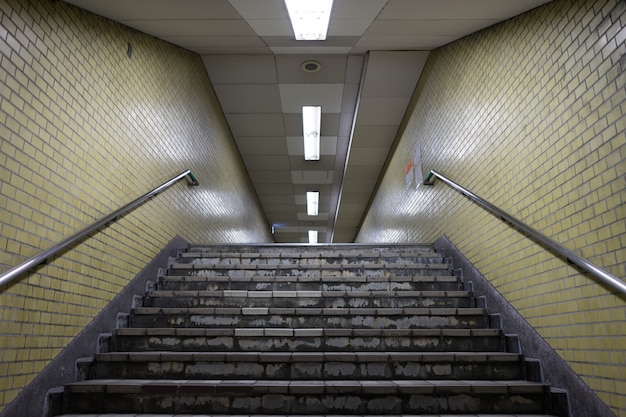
x=602 y=275
x=31 y=263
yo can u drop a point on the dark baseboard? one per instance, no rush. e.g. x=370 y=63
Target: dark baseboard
x=583 y=401
x=32 y=400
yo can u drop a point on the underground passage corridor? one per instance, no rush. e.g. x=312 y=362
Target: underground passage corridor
x=206 y=210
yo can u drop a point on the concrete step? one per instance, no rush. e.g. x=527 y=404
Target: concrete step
x=304 y=259
x=309 y=298
x=302 y=339
x=277 y=250
x=302 y=317
x=305 y=397
x=310 y=365
x=312 y=415
x=337 y=270
x=304 y=283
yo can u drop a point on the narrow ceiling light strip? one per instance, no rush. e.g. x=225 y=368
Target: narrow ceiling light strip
x=311 y=121
x=312 y=203
x=312 y=236
x=309 y=18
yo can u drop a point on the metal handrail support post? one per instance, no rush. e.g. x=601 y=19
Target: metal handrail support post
x=42 y=257
x=597 y=272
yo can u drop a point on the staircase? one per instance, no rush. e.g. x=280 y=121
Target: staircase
x=307 y=330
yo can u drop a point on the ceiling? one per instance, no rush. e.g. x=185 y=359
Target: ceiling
x=370 y=64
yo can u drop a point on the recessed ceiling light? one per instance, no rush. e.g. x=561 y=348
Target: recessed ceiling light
x=312 y=203
x=309 y=18
x=312 y=236
x=311 y=121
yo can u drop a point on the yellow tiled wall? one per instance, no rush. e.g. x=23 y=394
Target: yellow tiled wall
x=530 y=115
x=84 y=129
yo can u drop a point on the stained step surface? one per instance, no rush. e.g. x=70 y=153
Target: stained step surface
x=310 y=396
x=307 y=365
x=301 y=317
x=303 y=339
x=284 y=331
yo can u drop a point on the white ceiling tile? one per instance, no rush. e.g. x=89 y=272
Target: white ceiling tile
x=374 y=135
x=191 y=42
x=249 y=98
x=406 y=67
x=231 y=50
x=294 y=96
x=123 y=10
x=204 y=27
x=269 y=177
x=456 y=9
x=241 y=69
x=348 y=27
x=456 y=28
x=267 y=189
x=267 y=162
x=390 y=43
x=261 y=145
x=373 y=157
x=360 y=172
x=357 y=9
x=266 y=9
x=270 y=27
x=382 y=110
x=312 y=177
x=256 y=124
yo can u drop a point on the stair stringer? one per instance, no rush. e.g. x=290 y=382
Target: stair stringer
x=581 y=400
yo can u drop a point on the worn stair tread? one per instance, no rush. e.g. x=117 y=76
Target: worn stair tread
x=297 y=332
x=307 y=293
x=290 y=357
x=310 y=254
x=259 y=386
x=315 y=311
x=292 y=415
x=304 y=266
x=308 y=279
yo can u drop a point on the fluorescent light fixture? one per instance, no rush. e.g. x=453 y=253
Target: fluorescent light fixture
x=309 y=18
x=311 y=121
x=312 y=203
x=312 y=236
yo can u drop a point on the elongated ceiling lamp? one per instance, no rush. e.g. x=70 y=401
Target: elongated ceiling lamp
x=312 y=236
x=311 y=121
x=309 y=18
x=312 y=203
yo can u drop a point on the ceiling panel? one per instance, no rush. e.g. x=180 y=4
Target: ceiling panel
x=294 y=96
x=266 y=162
x=262 y=145
x=253 y=124
x=369 y=65
x=269 y=177
x=249 y=98
x=198 y=27
x=241 y=69
x=383 y=110
x=312 y=177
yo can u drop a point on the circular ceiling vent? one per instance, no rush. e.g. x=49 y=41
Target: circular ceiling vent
x=311 y=66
